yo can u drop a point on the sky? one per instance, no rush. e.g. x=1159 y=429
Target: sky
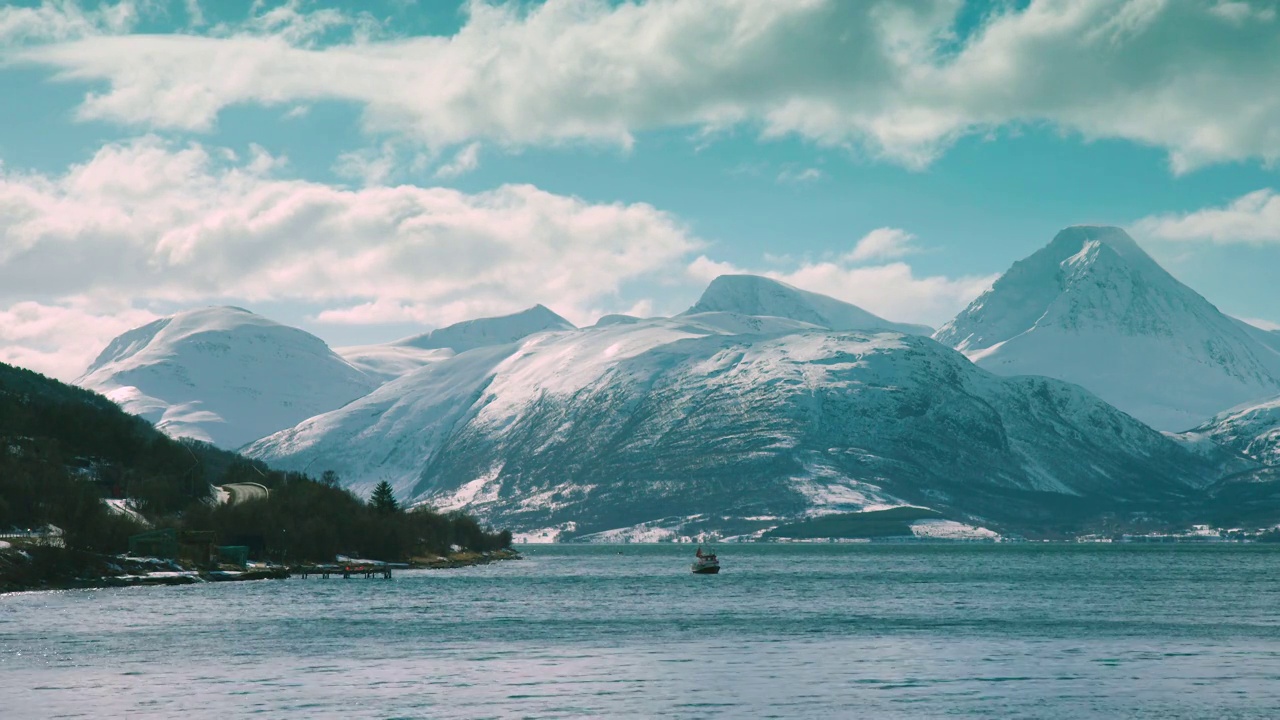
x=371 y=169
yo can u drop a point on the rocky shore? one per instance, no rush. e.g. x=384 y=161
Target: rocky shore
x=52 y=568
x=465 y=558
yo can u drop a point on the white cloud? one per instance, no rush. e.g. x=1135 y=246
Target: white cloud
x=1262 y=324
x=60 y=340
x=377 y=312
x=370 y=166
x=795 y=176
x=467 y=159
x=61 y=20
x=884 y=243
x=295 y=25
x=150 y=222
x=195 y=14
x=892 y=291
x=1250 y=219
x=1242 y=12
x=894 y=80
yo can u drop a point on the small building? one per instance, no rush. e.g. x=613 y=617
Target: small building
x=162 y=543
x=170 y=544
x=233 y=554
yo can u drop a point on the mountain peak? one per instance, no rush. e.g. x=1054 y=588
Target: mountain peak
x=1117 y=239
x=181 y=324
x=762 y=296
x=223 y=374
x=484 y=332
x=1093 y=308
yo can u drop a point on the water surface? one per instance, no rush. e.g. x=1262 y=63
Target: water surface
x=905 y=631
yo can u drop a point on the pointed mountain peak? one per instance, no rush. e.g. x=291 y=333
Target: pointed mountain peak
x=1093 y=308
x=1101 y=267
x=1077 y=237
x=542 y=312
x=484 y=332
x=762 y=296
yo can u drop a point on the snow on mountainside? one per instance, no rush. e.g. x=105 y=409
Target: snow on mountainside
x=224 y=375
x=730 y=423
x=388 y=362
x=755 y=295
x=1094 y=309
x=1253 y=430
x=484 y=332
x=392 y=360
x=1270 y=338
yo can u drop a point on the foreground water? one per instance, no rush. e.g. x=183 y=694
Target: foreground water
x=911 y=631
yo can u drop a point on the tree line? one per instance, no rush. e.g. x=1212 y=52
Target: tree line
x=63 y=449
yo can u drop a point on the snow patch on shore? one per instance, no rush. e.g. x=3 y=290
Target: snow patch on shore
x=542 y=536
x=951 y=530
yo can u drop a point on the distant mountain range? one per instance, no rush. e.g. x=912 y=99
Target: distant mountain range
x=760 y=405
x=698 y=426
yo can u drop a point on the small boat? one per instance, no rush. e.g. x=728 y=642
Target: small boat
x=706 y=564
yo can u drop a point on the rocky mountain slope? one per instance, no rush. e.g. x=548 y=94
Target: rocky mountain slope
x=223 y=375
x=735 y=423
x=1092 y=308
x=1252 y=430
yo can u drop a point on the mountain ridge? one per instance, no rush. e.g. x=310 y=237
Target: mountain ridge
x=626 y=425
x=482 y=332
x=761 y=296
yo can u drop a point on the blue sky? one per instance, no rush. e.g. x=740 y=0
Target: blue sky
x=368 y=169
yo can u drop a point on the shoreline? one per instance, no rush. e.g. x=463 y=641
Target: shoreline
x=466 y=558
x=45 y=569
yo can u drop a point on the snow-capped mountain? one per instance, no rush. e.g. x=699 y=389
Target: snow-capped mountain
x=1270 y=338
x=1252 y=430
x=735 y=423
x=760 y=296
x=392 y=360
x=1092 y=308
x=484 y=332
x=224 y=375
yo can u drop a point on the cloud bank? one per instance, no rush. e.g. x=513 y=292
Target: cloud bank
x=1252 y=219
x=149 y=223
x=891 y=290
x=891 y=80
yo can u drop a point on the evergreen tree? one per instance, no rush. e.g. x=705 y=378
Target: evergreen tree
x=384 y=498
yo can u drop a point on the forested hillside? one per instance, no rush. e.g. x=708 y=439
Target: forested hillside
x=64 y=449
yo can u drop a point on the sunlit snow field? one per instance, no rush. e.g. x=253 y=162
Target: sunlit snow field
x=909 y=631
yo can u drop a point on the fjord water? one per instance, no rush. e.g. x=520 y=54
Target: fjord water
x=884 y=631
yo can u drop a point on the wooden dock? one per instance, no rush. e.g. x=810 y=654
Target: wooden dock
x=347 y=571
